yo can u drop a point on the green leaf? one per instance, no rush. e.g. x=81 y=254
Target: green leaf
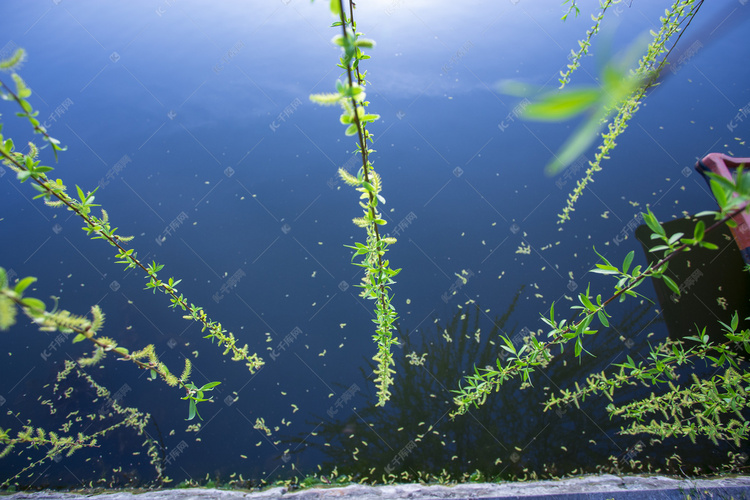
x=209 y=386
x=603 y=318
x=24 y=284
x=607 y=267
x=674 y=238
x=557 y=106
x=706 y=212
x=510 y=347
x=33 y=303
x=700 y=231
x=671 y=284
x=652 y=223
x=25 y=104
x=552 y=313
x=79 y=338
x=659 y=247
x=191 y=410
x=336 y=11
x=605 y=271
x=719 y=191
x=577 y=144
x=586 y=302
x=628 y=260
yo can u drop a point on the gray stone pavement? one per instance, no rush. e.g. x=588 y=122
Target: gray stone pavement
x=582 y=488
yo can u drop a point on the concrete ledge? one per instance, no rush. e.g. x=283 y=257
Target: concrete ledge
x=582 y=488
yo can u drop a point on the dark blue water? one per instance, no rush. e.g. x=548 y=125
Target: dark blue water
x=195 y=123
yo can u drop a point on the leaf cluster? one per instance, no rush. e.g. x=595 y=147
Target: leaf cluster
x=475 y=388
x=27 y=167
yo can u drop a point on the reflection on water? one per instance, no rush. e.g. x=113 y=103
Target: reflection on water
x=510 y=436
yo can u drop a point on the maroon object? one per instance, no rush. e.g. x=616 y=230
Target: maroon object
x=721 y=164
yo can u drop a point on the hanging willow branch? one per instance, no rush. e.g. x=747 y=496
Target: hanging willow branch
x=378 y=275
